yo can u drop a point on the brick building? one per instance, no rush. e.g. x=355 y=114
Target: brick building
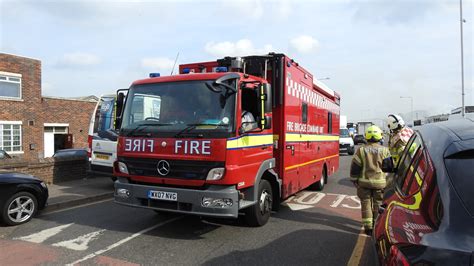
x=33 y=126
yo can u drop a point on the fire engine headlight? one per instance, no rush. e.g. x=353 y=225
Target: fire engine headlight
x=216 y=203
x=215 y=174
x=122 y=167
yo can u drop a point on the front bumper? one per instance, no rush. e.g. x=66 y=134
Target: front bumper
x=345 y=147
x=188 y=200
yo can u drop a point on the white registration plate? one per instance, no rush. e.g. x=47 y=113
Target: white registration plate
x=162 y=195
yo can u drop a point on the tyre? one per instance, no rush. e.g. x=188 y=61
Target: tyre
x=258 y=214
x=350 y=150
x=320 y=184
x=19 y=208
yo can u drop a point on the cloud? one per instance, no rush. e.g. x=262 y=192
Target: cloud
x=304 y=44
x=250 y=9
x=392 y=12
x=284 y=8
x=78 y=59
x=240 y=48
x=159 y=64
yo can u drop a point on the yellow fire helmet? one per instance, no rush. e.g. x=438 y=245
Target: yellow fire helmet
x=373 y=133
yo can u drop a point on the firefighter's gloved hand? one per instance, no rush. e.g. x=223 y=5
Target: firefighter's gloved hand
x=356 y=184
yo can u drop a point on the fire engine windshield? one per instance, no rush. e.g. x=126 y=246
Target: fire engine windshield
x=184 y=109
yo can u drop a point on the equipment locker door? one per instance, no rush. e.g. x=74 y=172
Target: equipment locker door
x=292 y=144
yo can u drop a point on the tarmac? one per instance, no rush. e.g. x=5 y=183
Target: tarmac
x=78 y=192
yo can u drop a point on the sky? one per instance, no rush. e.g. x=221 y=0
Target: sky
x=374 y=52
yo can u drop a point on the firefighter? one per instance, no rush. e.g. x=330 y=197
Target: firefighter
x=369 y=165
x=399 y=136
x=248 y=121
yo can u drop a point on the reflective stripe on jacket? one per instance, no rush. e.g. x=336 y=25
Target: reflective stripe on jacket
x=366 y=166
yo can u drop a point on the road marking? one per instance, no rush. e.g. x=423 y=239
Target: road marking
x=123 y=241
x=356 y=255
x=297 y=207
x=80 y=243
x=309 y=199
x=355 y=199
x=74 y=207
x=339 y=199
x=41 y=236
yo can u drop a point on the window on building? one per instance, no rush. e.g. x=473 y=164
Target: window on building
x=10 y=137
x=10 y=86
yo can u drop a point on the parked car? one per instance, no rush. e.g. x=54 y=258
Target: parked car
x=4 y=155
x=346 y=144
x=21 y=196
x=71 y=153
x=427 y=216
x=359 y=139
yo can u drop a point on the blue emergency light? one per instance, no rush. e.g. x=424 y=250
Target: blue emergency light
x=154 y=75
x=221 y=69
x=186 y=70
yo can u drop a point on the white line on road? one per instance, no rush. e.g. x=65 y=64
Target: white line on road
x=123 y=241
x=339 y=199
x=41 y=236
x=74 y=207
x=80 y=243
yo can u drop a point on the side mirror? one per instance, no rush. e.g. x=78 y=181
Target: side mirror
x=268 y=123
x=119 y=108
x=118 y=123
x=265 y=104
x=266 y=94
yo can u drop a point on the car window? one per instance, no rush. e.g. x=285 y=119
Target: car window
x=343 y=132
x=408 y=164
x=459 y=167
x=415 y=178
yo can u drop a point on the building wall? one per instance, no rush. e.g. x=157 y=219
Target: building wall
x=33 y=110
x=76 y=113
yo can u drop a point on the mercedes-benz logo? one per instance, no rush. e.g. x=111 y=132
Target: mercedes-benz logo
x=163 y=167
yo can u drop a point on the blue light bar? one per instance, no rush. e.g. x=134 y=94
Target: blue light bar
x=221 y=69
x=185 y=70
x=154 y=75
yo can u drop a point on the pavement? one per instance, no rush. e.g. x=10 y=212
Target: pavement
x=77 y=192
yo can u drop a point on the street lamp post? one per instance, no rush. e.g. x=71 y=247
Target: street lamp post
x=326 y=78
x=411 y=103
x=461 y=21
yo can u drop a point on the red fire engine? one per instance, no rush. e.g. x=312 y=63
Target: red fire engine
x=227 y=137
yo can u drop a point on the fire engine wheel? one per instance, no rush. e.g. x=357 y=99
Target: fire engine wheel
x=258 y=214
x=320 y=184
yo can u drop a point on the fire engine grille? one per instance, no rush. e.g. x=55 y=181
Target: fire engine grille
x=179 y=169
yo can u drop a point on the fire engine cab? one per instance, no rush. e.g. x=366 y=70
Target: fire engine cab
x=227 y=137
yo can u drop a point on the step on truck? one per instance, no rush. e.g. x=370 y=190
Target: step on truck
x=225 y=138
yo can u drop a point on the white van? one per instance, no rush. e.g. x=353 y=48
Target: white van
x=102 y=139
x=346 y=143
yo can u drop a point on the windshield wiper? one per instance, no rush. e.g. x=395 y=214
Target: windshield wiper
x=141 y=127
x=191 y=127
